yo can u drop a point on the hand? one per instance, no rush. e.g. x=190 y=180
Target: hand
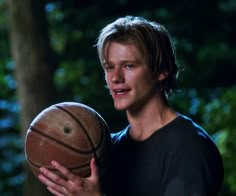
x=74 y=185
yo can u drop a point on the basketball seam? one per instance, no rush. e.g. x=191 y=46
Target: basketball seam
x=38 y=131
x=70 y=168
x=52 y=169
x=83 y=128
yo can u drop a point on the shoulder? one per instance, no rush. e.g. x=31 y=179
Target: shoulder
x=190 y=143
x=192 y=157
x=187 y=124
x=186 y=130
x=119 y=136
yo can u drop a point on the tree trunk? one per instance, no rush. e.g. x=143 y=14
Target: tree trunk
x=34 y=69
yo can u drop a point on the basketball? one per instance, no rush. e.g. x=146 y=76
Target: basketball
x=70 y=133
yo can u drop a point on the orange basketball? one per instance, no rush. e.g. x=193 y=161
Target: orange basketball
x=70 y=133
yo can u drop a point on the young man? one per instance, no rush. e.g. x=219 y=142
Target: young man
x=161 y=152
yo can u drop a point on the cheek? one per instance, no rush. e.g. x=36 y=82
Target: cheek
x=147 y=83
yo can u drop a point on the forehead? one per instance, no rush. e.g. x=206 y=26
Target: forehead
x=122 y=51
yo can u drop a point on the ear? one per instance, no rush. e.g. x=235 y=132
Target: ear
x=162 y=76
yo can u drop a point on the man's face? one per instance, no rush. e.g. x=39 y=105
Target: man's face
x=128 y=77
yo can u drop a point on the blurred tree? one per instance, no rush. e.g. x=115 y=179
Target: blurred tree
x=34 y=69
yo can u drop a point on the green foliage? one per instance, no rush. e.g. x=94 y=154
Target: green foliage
x=11 y=155
x=12 y=158
x=219 y=115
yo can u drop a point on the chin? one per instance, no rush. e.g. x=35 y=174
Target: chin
x=120 y=107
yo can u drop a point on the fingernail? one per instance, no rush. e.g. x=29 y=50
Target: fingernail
x=42 y=169
x=39 y=176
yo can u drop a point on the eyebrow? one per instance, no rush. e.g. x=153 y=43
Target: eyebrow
x=135 y=61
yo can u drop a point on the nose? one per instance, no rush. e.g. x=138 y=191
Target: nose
x=117 y=76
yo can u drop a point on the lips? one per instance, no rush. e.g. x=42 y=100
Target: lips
x=120 y=91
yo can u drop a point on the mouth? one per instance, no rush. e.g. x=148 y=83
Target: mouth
x=120 y=91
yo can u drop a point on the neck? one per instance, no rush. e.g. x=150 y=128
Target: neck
x=149 y=119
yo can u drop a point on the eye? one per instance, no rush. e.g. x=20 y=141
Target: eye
x=129 y=66
x=108 y=68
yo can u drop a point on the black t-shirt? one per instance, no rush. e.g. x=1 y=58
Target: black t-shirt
x=180 y=159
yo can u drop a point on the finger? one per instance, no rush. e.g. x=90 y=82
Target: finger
x=49 y=178
x=63 y=170
x=71 y=178
x=51 y=185
x=54 y=192
x=94 y=168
